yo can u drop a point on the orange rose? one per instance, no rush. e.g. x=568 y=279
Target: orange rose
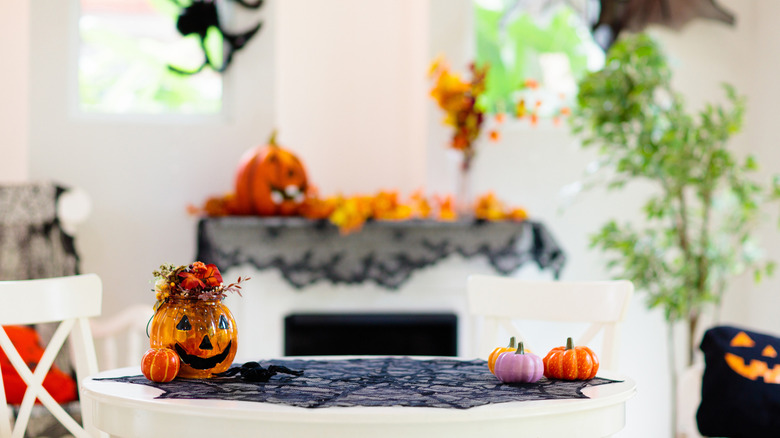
x=211 y=276
x=201 y=276
x=190 y=281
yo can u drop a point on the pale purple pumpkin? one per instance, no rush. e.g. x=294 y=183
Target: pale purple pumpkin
x=519 y=366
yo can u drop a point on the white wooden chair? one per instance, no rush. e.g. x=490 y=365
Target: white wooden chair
x=120 y=339
x=501 y=302
x=69 y=301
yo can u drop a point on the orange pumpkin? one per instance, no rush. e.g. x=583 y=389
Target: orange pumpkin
x=202 y=333
x=497 y=352
x=270 y=181
x=57 y=383
x=160 y=364
x=571 y=363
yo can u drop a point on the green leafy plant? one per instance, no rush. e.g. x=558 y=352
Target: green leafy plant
x=698 y=227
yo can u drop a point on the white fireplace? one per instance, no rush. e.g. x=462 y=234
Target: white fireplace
x=406 y=267
x=267 y=299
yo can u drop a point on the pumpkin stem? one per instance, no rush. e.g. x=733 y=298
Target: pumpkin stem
x=512 y=342
x=569 y=344
x=520 y=349
x=272 y=139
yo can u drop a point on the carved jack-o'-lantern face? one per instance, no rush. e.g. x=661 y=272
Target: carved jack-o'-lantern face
x=270 y=181
x=203 y=333
x=748 y=365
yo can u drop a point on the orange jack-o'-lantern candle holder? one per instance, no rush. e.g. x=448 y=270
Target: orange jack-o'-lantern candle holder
x=203 y=333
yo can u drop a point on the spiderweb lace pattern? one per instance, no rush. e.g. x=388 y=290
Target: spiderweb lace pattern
x=386 y=253
x=394 y=381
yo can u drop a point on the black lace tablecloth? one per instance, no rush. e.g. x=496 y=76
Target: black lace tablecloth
x=384 y=252
x=397 y=381
x=32 y=243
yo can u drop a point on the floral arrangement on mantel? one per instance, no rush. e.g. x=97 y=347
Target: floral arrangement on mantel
x=197 y=280
x=349 y=213
x=460 y=100
x=272 y=181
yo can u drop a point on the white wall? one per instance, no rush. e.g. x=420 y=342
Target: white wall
x=141 y=172
x=350 y=90
x=14 y=106
x=763 y=141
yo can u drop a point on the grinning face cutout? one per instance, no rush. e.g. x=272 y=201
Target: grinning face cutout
x=205 y=356
x=270 y=181
x=753 y=361
x=203 y=334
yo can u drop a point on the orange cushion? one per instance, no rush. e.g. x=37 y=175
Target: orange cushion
x=60 y=385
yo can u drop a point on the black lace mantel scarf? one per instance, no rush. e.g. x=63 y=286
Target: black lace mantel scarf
x=386 y=253
x=381 y=381
x=32 y=243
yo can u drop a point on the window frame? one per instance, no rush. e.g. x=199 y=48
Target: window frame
x=77 y=112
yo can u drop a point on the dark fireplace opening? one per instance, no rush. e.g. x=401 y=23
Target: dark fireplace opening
x=398 y=334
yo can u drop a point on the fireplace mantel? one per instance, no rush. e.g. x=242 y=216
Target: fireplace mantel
x=384 y=252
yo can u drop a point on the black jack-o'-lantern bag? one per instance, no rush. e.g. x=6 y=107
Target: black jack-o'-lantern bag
x=740 y=395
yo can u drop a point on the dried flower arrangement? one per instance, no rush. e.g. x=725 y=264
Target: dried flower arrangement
x=197 y=281
x=460 y=101
x=349 y=213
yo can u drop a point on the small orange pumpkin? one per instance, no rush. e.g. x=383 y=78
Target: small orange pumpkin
x=270 y=181
x=571 y=363
x=160 y=364
x=497 y=352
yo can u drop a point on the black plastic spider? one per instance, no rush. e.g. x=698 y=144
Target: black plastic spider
x=201 y=15
x=253 y=372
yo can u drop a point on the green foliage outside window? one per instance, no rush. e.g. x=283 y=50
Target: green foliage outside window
x=123 y=71
x=511 y=42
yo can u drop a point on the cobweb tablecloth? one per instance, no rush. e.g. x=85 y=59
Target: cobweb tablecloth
x=393 y=381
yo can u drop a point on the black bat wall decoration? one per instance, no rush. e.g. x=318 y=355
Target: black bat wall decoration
x=197 y=18
x=616 y=16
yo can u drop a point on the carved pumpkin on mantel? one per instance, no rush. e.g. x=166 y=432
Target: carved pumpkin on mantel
x=202 y=333
x=270 y=181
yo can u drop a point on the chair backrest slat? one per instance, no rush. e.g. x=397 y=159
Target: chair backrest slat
x=50 y=299
x=548 y=301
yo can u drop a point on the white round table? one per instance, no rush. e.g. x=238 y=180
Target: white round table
x=131 y=410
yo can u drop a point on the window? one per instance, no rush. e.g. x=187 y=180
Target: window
x=125 y=49
x=530 y=42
